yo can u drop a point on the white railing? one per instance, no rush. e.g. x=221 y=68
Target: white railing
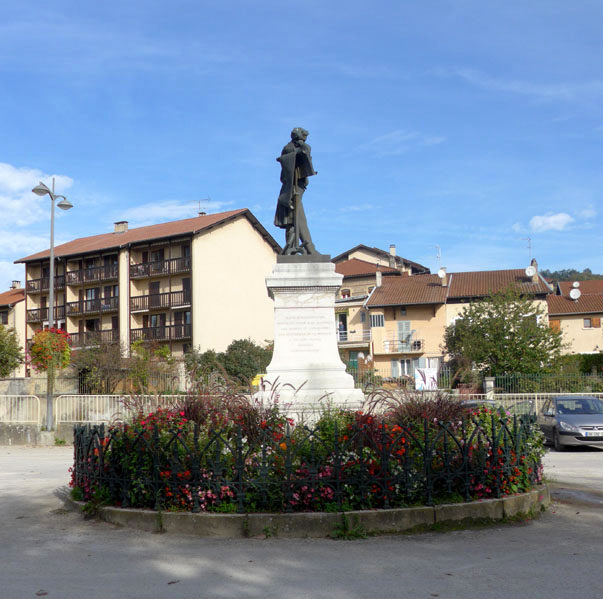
x=403 y=346
x=106 y=408
x=19 y=409
x=354 y=336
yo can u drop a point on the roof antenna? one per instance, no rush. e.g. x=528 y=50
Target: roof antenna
x=202 y=212
x=439 y=256
x=529 y=240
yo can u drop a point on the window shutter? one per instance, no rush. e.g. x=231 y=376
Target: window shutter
x=596 y=322
x=555 y=324
x=395 y=369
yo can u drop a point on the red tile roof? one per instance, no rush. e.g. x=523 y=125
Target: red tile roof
x=358 y=268
x=402 y=291
x=586 y=287
x=12 y=297
x=107 y=241
x=585 y=304
x=482 y=283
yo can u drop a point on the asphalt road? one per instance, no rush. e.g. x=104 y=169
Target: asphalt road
x=47 y=551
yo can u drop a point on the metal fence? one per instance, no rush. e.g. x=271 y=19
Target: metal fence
x=362 y=466
x=19 y=409
x=549 y=383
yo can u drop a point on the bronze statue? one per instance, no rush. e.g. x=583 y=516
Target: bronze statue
x=296 y=167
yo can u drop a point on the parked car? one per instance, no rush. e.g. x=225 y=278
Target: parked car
x=572 y=420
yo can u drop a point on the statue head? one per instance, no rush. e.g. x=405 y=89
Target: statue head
x=299 y=133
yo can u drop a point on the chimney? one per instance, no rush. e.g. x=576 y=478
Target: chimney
x=392 y=249
x=121 y=226
x=16 y=285
x=443 y=276
x=535 y=275
x=379 y=279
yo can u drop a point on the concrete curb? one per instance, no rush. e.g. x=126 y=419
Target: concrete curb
x=323 y=524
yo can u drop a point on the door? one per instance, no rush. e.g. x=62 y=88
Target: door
x=154 y=297
x=186 y=290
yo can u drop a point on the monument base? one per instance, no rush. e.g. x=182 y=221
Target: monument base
x=306 y=369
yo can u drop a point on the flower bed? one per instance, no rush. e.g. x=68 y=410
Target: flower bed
x=257 y=460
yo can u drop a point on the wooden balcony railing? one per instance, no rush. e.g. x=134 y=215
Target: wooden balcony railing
x=92 y=338
x=94 y=273
x=39 y=285
x=40 y=314
x=158 y=301
x=172 y=332
x=93 y=306
x=163 y=267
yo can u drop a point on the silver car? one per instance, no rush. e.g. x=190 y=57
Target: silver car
x=572 y=420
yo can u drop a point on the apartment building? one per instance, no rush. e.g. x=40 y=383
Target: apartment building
x=12 y=315
x=197 y=282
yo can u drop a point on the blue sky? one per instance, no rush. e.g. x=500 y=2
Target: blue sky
x=467 y=125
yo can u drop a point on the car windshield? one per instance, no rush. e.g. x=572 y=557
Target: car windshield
x=579 y=406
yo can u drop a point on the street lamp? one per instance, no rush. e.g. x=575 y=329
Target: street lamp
x=64 y=204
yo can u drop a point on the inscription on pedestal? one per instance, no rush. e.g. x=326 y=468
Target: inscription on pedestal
x=304 y=333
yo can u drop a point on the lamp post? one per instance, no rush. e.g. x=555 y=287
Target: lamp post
x=64 y=204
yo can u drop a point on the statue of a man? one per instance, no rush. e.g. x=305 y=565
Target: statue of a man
x=296 y=167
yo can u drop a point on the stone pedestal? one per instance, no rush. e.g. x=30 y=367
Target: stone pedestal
x=305 y=340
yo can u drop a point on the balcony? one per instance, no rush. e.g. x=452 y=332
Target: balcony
x=163 y=267
x=408 y=345
x=93 y=306
x=173 y=332
x=92 y=338
x=40 y=285
x=41 y=314
x=160 y=301
x=354 y=338
x=93 y=274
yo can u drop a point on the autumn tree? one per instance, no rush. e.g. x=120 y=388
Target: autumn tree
x=11 y=356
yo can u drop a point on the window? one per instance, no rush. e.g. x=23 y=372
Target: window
x=588 y=323
x=345 y=293
x=4 y=317
x=402 y=310
x=362 y=317
x=377 y=320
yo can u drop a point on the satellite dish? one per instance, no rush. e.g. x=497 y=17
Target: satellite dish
x=530 y=271
x=442 y=273
x=576 y=284
x=575 y=293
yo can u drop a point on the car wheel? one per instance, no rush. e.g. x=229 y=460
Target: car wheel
x=557 y=441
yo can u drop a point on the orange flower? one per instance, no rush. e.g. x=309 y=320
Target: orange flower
x=283 y=446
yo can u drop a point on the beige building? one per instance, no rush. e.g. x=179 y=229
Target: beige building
x=579 y=320
x=397 y=319
x=198 y=282
x=12 y=316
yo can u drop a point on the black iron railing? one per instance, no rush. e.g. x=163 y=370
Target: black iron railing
x=158 y=301
x=40 y=314
x=93 y=306
x=94 y=273
x=285 y=469
x=92 y=338
x=161 y=267
x=39 y=285
x=173 y=332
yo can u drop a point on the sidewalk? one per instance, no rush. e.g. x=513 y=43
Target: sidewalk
x=44 y=548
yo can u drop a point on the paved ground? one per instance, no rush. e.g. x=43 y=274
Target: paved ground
x=46 y=551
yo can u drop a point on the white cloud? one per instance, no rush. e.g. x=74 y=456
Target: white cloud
x=400 y=141
x=567 y=91
x=550 y=222
x=518 y=228
x=357 y=208
x=18 y=205
x=587 y=213
x=158 y=212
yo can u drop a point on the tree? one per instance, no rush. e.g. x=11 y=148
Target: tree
x=150 y=365
x=505 y=333
x=11 y=355
x=50 y=351
x=101 y=366
x=242 y=360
